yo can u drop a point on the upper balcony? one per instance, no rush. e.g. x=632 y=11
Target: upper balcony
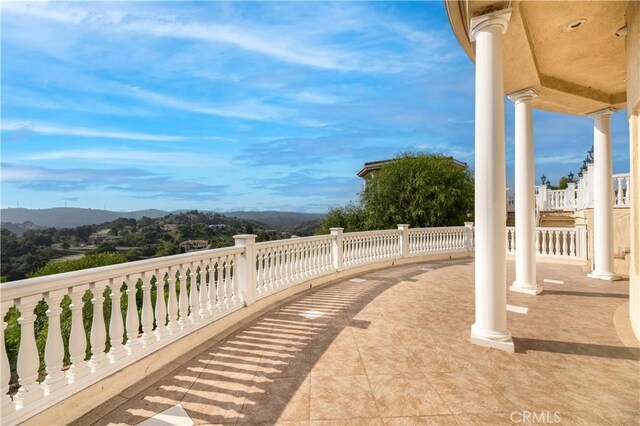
x=369 y=326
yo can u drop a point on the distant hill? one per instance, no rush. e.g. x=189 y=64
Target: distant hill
x=70 y=217
x=281 y=221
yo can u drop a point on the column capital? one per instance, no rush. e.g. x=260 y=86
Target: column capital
x=602 y=113
x=499 y=18
x=524 y=95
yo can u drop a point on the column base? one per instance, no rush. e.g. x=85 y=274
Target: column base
x=532 y=289
x=606 y=276
x=502 y=341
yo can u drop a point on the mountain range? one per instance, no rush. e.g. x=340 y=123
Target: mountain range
x=69 y=217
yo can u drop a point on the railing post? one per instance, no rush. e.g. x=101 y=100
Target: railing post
x=469 y=235
x=5 y=375
x=581 y=241
x=247 y=267
x=570 y=202
x=542 y=194
x=336 y=248
x=404 y=240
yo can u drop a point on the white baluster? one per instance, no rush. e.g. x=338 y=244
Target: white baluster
x=220 y=284
x=203 y=312
x=260 y=272
x=619 y=192
x=544 y=242
x=148 y=336
x=183 y=302
x=194 y=297
x=54 y=349
x=565 y=243
x=225 y=280
x=78 y=338
x=5 y=375
x=538 y=242
x=627 y=192
x=161 y=305
x=235 y=283
x=132 y=321
x=28 y=359
x=98 y=336
x=116 y=325
x=211 y=287
x=572 y=243
x=172 y=303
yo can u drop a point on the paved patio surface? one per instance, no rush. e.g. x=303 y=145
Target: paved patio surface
x=393 y=349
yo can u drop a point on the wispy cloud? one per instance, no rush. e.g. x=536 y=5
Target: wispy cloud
x=248 y=110
x=26 y=127
x=290 y=42
x=309 y=184
x=134 y=182
x=118 y=155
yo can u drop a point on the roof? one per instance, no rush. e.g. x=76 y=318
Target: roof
x=571 y=52
x=372 y=166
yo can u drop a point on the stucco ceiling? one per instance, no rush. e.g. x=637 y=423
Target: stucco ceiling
x=575 y=71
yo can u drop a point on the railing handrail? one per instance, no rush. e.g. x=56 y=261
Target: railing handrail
x=21 y=288
x=437 y=228
x=375 y=232
x=548 y=228
x=617 y=175
x=296 y=240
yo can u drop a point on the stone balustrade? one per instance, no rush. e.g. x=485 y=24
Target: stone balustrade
x=559 y=243
x=579 y=196
x=150 y=304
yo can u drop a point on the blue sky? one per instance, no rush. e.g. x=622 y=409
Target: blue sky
x=225 y=106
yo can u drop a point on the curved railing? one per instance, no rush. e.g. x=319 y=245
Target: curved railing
x=560 y=243
x=147 y=305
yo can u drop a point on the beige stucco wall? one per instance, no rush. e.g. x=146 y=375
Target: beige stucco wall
x=633 y=110
x=621 y=237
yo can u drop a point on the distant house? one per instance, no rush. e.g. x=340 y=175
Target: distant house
x=369 y=169
x=194 y=245
x=103 y=236
x=218 y=226
x=169 y=227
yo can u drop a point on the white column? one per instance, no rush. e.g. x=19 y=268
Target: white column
x=246 y=267
x=490 y=327
x=404 y=240
x=336 y=248
x=602 y=197
x=525 y=197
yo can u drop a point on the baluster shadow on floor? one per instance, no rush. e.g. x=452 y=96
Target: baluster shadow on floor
x=395 y=349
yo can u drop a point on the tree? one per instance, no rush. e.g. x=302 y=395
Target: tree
x=85 y=262
x=563 y=183
x=351 y=217
x=422 y=190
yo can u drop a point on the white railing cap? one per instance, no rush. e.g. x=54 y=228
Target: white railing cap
x=15 y=289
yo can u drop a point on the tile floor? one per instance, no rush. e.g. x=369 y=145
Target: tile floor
x=393 y=349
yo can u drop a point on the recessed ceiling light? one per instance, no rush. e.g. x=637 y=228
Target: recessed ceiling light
x=575 y=24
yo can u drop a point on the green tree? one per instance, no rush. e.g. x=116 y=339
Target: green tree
x=563 y=183
x=85 y=262
x=422 y=190
x=351 y=217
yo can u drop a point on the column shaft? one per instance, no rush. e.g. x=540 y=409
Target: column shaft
x=490 y=327
x=525 y=198
x=602 y=197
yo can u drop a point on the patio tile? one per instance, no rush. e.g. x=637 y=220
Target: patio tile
x=406 y=395
x=342 y=397
x=395 y=349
